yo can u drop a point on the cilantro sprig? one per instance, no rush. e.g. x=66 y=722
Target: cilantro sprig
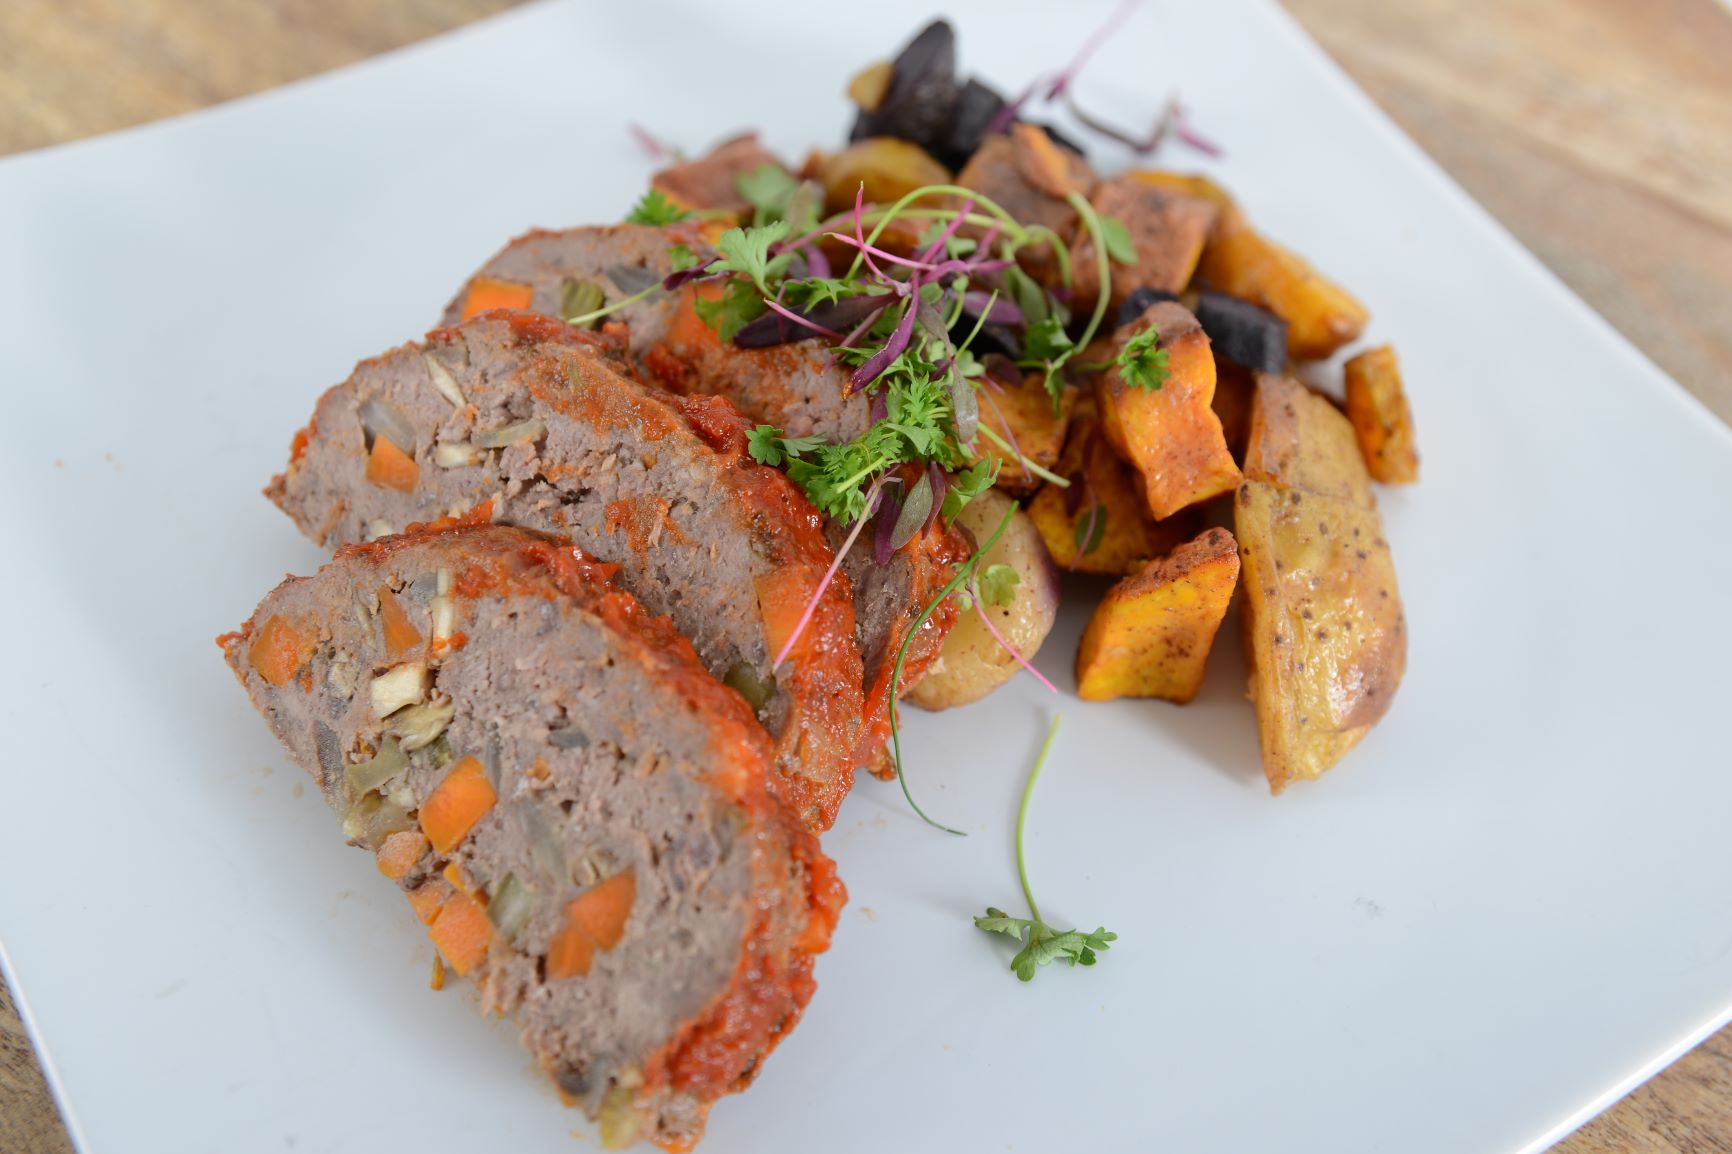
x=1143 y=362
x=1041 y=944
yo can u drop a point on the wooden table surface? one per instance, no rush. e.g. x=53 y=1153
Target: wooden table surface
x=1598 y=131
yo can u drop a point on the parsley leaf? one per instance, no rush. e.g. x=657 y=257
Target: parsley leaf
x=769 y=447
x=1118 y=238
x=967 y=485
x=767 y=188
x=998 y=585
x=747 y=250
x=729 y=313
x=653 y=208
x=681 y=258
x=1041 y=944
x=1142 y=362
x=1045 y=340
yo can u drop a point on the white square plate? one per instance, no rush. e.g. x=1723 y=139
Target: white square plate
x=1508 y=904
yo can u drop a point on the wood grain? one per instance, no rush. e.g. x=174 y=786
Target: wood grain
x=1598 y=131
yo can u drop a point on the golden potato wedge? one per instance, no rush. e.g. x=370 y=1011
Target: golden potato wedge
x=1022 y=414
x=1377 y=406
x=1099 y=524
x=1324 y=628
x=1167 y=227
x=973 y=662
x=712 y=181
x=1299 y=440
x=1321 y=316
x=888 y=167
x=1150 y=636
x=1170 y=435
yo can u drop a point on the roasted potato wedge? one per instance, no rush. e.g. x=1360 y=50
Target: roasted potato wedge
x=1299 y=440
x=1167 y=228
x=1150 y=636
x=1170 y=435
x=1321 y=316
x=1377 y=407
x=1099 y=524
x=1324 y=628
x=1022 y=414
x=972 y=662
x=712 y=181
x=888 y=168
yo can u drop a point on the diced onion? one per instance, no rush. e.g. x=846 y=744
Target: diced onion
x=396 y=688
x=510 y=907
x=443 y=380
x=454 y=454
x=531 y=430
x=378 y=769
x=382 y=420
x=420 y=725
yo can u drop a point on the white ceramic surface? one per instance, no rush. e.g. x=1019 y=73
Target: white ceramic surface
x=1510 y=902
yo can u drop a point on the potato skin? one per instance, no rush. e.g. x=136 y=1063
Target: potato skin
x=1170 y=435
x=1377 y=406
x=972 y=663
x=1150 y=636
x=1321 y=316
x=888 y=167
x=1324 y=627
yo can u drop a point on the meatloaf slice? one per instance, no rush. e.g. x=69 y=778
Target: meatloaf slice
x=524 y=420
x=794 y=386
x=575 y=808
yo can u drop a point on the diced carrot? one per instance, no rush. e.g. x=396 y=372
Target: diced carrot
x=428 y=900
x=400 y=853
x=391 y=468
x=438 y=981
x=462 y=932
x=594 y=919
x=298 y=446
x=454 y=873
x=782 y=599
x=279 y=650
x=487 y=293
x=456 y=804
x=401 y=635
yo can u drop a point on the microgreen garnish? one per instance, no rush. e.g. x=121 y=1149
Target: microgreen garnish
x=681 y=257
x=747 y=250
x=1090 y=529
x=964 y=573
x=731 y=311
x=655 y=209
x=1142 y=362
x=1119 y=245
x=1041 y=944
x=767 y=188
x=998 y=585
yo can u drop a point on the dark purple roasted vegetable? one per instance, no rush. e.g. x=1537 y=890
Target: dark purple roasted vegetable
x=976 y=105
x=1138 y=302
x=921 y=100
x=1242 y=332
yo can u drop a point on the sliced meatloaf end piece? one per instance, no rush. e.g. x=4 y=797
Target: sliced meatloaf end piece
x=575 y=808
x=550 y=271
x=523 y=420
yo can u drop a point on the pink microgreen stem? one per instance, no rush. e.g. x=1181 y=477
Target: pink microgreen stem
x=782 y=310
x=986 y=620
x=829 y=574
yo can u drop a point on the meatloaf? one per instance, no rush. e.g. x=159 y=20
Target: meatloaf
x=794 y=386
x=524 y=420
x=575 y=808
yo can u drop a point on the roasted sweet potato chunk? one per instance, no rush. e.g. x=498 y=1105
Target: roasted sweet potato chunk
x=1321 y=316
x=1167 y=228
x=1099 y=524
x=1020 y=411
x=1170 y=435
x=1377 y=406
x=1324 y=627
x=1150 y=635
x=1016 y=178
